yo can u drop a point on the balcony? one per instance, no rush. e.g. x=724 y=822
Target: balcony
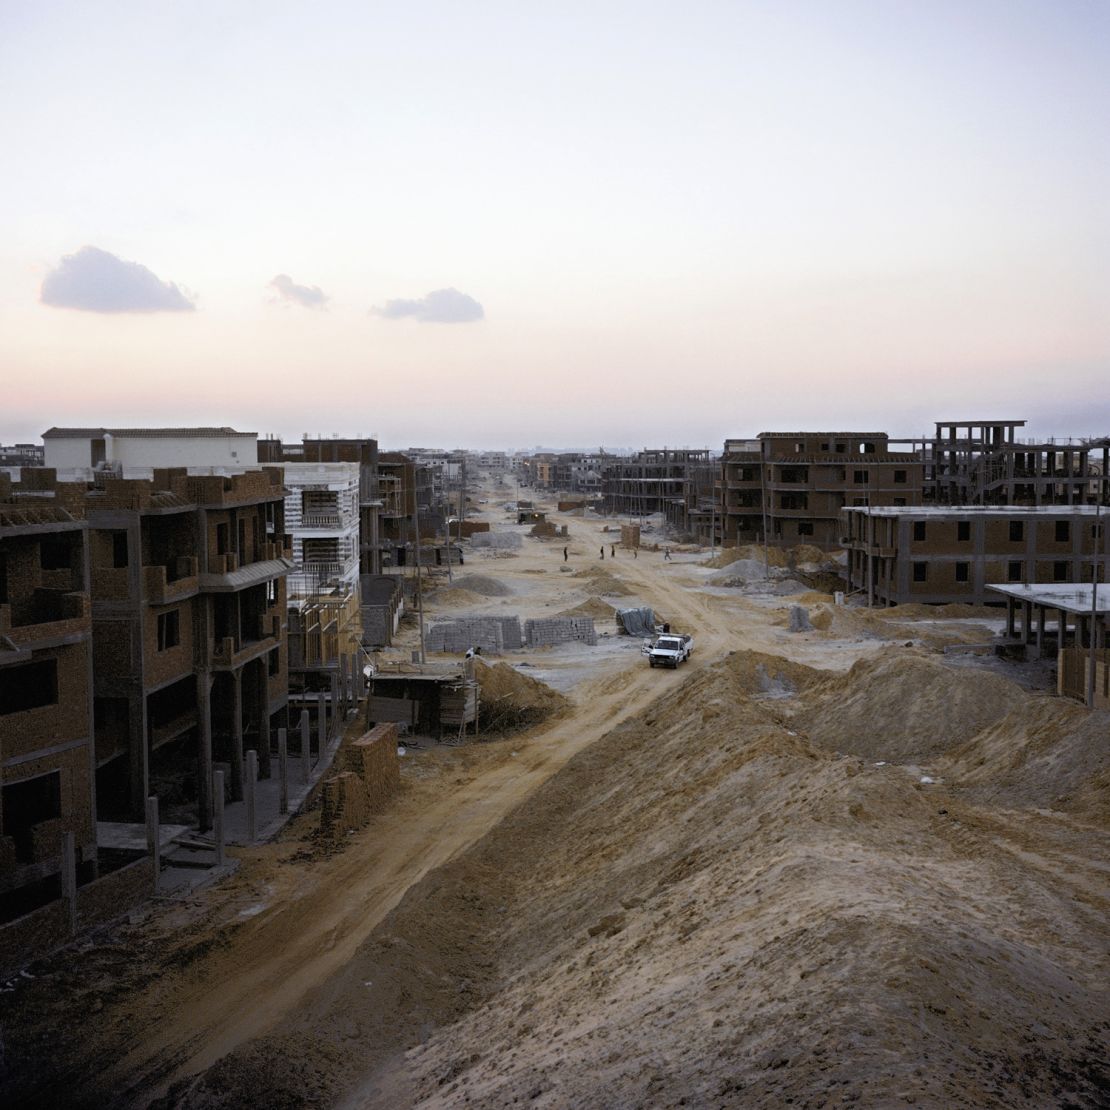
x=46 y=618
x=318 y=519
x=165 y=584
x=260 y=634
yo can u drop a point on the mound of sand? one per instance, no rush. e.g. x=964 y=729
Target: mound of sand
x=704 y=909
x=591 y=607
x=602 y=582
x=452 y=597
x=914 y=611
x=483 y=584
x=1049 y=753
x=512 y=700
x=903 y=707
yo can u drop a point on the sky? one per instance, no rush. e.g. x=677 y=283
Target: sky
x=504 y=224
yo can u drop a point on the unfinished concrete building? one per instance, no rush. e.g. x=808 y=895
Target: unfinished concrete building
x=336 y=449
x=322 y=518
x=648 y=481
x=935 y=554
x=791 y=486
x=1070 y=622
x=189 y=648
x=974 y=462
x=47 y=770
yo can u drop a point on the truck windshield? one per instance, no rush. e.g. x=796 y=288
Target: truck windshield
x=669 y=644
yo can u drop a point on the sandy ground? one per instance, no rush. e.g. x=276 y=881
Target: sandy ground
x=805 y=868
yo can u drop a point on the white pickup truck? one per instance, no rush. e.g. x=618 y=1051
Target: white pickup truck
x=668 y=650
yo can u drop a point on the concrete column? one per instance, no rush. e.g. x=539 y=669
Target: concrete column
x=322 y=722
x=138 y=747
x=152 y=838
x=1010 y=631
x=204 y=752
x=263 y=717
x=283 y=771
x=251 y=786
x=69 y=878
x=237 y=735
x=1027 y=622
x=306 y=745
x=218 y=815
x=1041 y=613
x=336 y=703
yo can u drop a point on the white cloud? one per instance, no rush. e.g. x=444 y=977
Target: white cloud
x=442 y=306
x=310 y=296
x=95 y=281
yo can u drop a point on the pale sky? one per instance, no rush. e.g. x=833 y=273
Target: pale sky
x=502 y=224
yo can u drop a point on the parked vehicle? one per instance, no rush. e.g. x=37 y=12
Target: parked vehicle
x=668 y=650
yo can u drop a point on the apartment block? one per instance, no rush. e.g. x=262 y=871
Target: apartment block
x=936 y=554
x=648 y=481
x=791 y=486
x=118 y=449
x=190 y=658
x=322 y=518
x=47 y=769
x=363 y=453
x=975 y=462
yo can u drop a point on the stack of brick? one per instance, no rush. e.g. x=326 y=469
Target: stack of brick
x=560 y=630
x=492 y=634
x=498 y=541
x=373 y=757
x=372 y=775
x=343 y=805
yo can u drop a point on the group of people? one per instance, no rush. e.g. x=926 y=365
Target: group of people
x=613 y=552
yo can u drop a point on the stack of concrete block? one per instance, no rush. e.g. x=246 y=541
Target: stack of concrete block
x=560 y=630
x=492 y=634
x=498 y=541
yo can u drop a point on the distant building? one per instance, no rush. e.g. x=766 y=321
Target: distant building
x=936 y=554
x=22 y=454
x=128 y=448
x=791 y=486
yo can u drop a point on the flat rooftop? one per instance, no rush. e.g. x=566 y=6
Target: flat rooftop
x=1072 y=597
x=963 y=512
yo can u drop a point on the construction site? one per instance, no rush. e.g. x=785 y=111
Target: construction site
x=844 y=854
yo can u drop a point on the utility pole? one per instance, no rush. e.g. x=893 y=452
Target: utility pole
x=419 y=561
x=1094 y=610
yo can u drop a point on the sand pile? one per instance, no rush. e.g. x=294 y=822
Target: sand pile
x=512 y=700
x=483 y=584
x=452 y=597
x=903 y=707
x=591 y=607
x=913 y=611
x=1048 y=753
x=602 y=582
x=705 y=909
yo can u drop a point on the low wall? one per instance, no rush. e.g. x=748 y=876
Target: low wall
x=39 y=932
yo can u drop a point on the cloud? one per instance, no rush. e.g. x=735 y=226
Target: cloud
x=442 y=306
x=96 y=281
x=311 y=296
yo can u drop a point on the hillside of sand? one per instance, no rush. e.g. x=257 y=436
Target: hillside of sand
x=717 y=905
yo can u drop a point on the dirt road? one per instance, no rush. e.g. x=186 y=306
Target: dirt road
x=314 y=919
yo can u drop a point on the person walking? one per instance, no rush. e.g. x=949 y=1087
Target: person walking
x=564 y=554
x=603 y=551
x=612 y=551
x=666 y=554
x=635 y=553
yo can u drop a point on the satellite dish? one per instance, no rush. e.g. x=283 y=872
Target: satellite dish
x=368 y=671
